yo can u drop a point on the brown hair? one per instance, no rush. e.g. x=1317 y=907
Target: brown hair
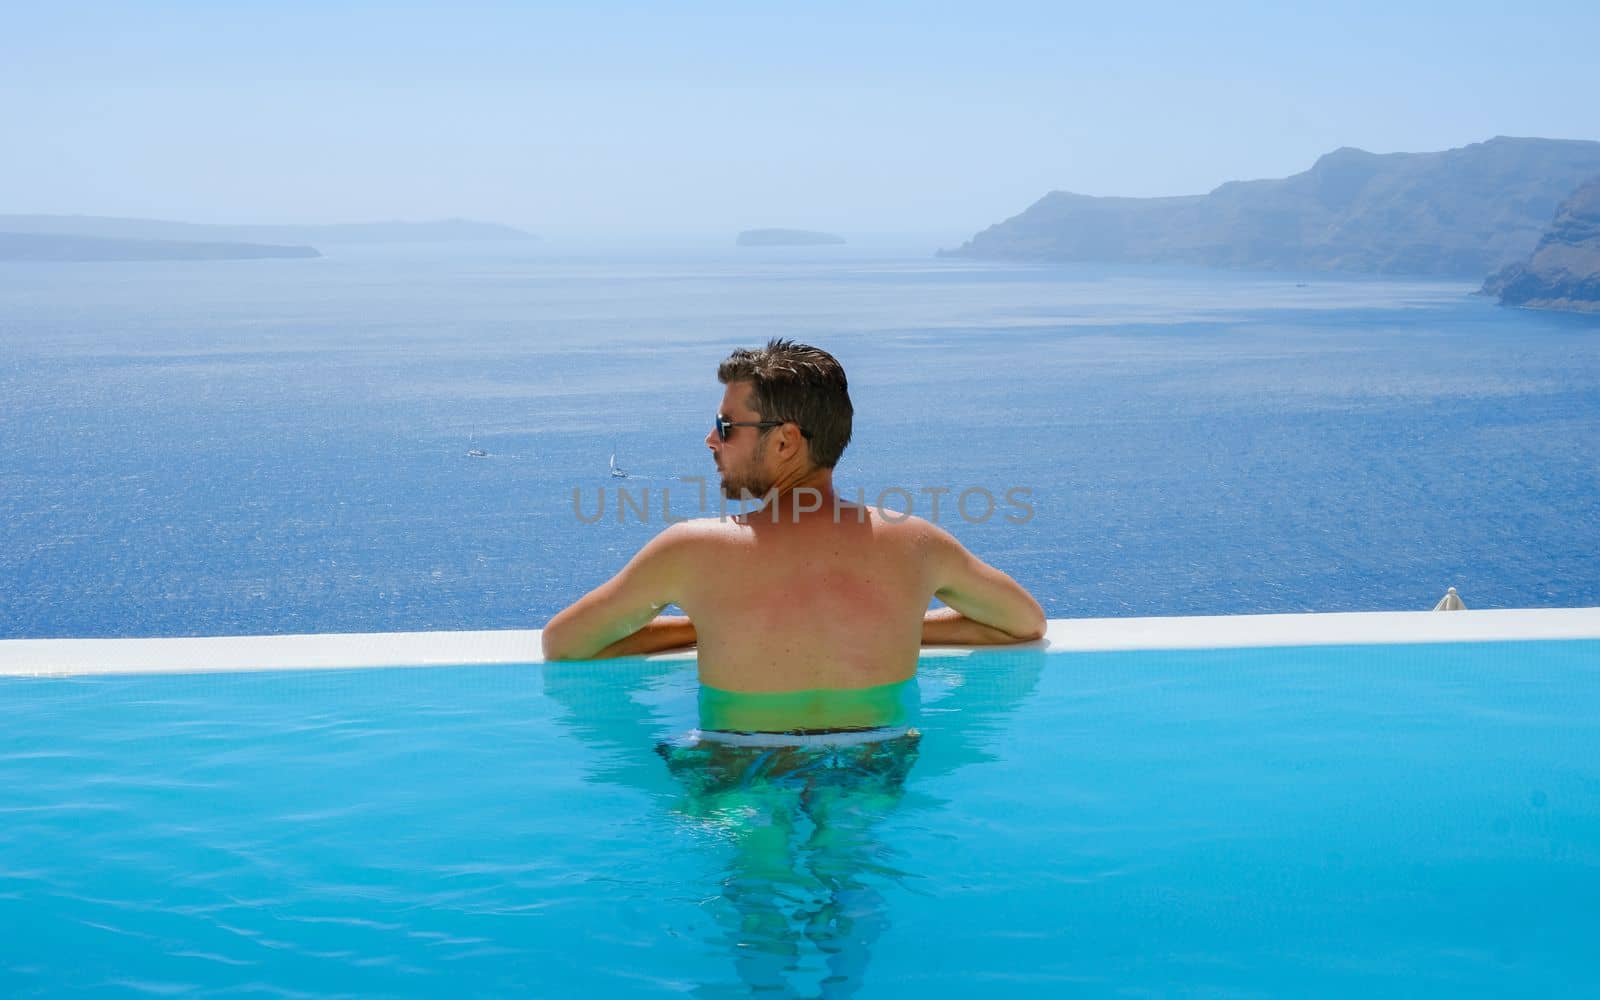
x=801 y=383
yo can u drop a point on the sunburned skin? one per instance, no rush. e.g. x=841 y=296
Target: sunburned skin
x=807 y=605
x=791 y=599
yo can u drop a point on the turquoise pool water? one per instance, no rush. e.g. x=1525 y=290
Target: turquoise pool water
x=1402 y=820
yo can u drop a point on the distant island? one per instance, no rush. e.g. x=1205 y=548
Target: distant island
x=46 y=247
x=787 y=238
x=1459 y=213
x=1563 y=272
x=99 y=227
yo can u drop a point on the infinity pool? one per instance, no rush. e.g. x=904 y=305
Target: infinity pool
x=1333 y=820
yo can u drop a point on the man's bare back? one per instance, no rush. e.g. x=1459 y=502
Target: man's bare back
x=785 y=602
x=805 y=594
x=806 y=603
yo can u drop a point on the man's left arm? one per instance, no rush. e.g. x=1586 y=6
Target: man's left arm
x=618 y=618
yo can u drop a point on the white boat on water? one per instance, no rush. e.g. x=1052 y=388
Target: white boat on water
x=616 y=470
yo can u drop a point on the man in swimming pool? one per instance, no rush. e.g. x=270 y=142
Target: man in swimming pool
x=811 y=593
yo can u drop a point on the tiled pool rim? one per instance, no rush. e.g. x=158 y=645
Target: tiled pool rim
x=224 y=654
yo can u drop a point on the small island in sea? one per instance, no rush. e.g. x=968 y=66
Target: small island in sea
x=97 y=238
x=61 y=247
x=1563 y=272
x=787 y=238
x=105 y=227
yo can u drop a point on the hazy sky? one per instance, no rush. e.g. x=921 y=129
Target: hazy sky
x=706 y=118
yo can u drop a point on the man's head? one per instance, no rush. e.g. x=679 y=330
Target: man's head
x=799 y=396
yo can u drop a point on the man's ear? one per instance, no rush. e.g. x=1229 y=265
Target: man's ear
x=792 y=438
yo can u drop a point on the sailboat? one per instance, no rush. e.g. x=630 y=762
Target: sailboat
x=617 y=471
x=472 y=450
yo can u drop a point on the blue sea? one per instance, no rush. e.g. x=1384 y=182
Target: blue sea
x=281 y=446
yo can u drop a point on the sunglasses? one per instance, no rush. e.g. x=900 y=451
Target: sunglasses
x=726 y=426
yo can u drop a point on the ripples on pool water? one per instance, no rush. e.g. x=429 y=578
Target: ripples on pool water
x=1338 y=821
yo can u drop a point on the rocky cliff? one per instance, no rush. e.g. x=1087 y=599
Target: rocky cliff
x=1460 y=212
x=1563 y=272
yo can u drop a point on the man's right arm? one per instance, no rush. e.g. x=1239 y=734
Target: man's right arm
x=990 y=607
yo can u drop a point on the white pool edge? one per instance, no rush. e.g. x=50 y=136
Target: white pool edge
x=225 y=654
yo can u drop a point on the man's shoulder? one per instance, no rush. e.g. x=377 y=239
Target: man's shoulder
x=924 y=537
x=908 y=526
x=682 y=546
x=698 y=530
